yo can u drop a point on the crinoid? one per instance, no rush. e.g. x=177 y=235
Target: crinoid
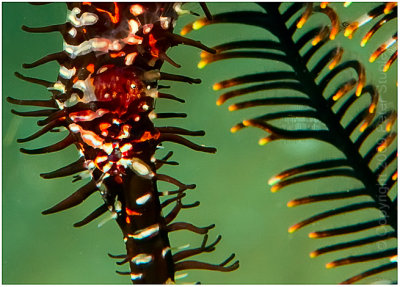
x=310 y=87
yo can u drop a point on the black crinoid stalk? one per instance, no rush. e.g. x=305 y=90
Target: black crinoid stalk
x=310 y=87
x=103 y=100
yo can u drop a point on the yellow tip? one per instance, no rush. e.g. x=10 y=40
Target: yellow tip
x=273 y=180
x=234 y=129
x=394 y=176
x=219 y=102
x=198 y=24
x=359 y=90
x=312 y=235
x=330 y=265
x=185 y=30
x=202 y=64
x=263 y=141
x=363 y=126
x=293 y=228
x=386 y=67
x=316 y=40
x=388 y=127
x=291 y=203
x=232 y=108
x=301 y=23
x=246 y=123
x=217 y=87
x=275 y=188
x=346 y=4
x=313 y=254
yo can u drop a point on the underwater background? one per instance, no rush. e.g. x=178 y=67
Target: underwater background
x=231 y=184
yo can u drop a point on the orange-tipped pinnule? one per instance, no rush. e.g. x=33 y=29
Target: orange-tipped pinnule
x=291 y=203
x=389 y=6
x=390 y=62
x=371 y=108
x=336 y=59
x=348 y=32
x=264 y=141
x=220 y=101
x=364 y=126
x=305 y=16
x=330 y=265
x=377 y=52
x=293 y=228
x=390 y=121
x=323 y=5
x=366 y=38
x=389 y=126
x=394 y=176
x=235 y=128
x=313 y=235
x=301 y=23
x=314 y=254
x=346 y=4
x=386 y=143
x=274 y=180
x=202 y=64
x=232 y=108
x=199 y=24
x=246 y=123
x=186 y=29
x=217 y=87
x=275 y=187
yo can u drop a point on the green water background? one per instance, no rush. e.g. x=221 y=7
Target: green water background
x=231 y=185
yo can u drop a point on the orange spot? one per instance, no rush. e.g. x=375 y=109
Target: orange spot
x=84 y=30
x=389 y=6
x=366 y=38
x=293 y=228
x=324 y=5
x=330 y=265
x=232 y=108
x=348 y=32
x=275 y=188
x=152 y=42
x=131 y=212
x=291 y=203
x=74 y=80
x=217 y=87
x=313 y=235
x=104 y=126
x=87 y=3
x=377 y=53
x=235 y=128
x=147 y=136
x=313 y=254
x=116 y=55
x=301 y=22
x=114 y=18
x=363 y=126
x=90 y=68
x=220 y=101
x=389 y=126
x=128 y=220
x=394 y=176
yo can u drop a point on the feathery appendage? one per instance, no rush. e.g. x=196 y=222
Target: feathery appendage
x=306 y=77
